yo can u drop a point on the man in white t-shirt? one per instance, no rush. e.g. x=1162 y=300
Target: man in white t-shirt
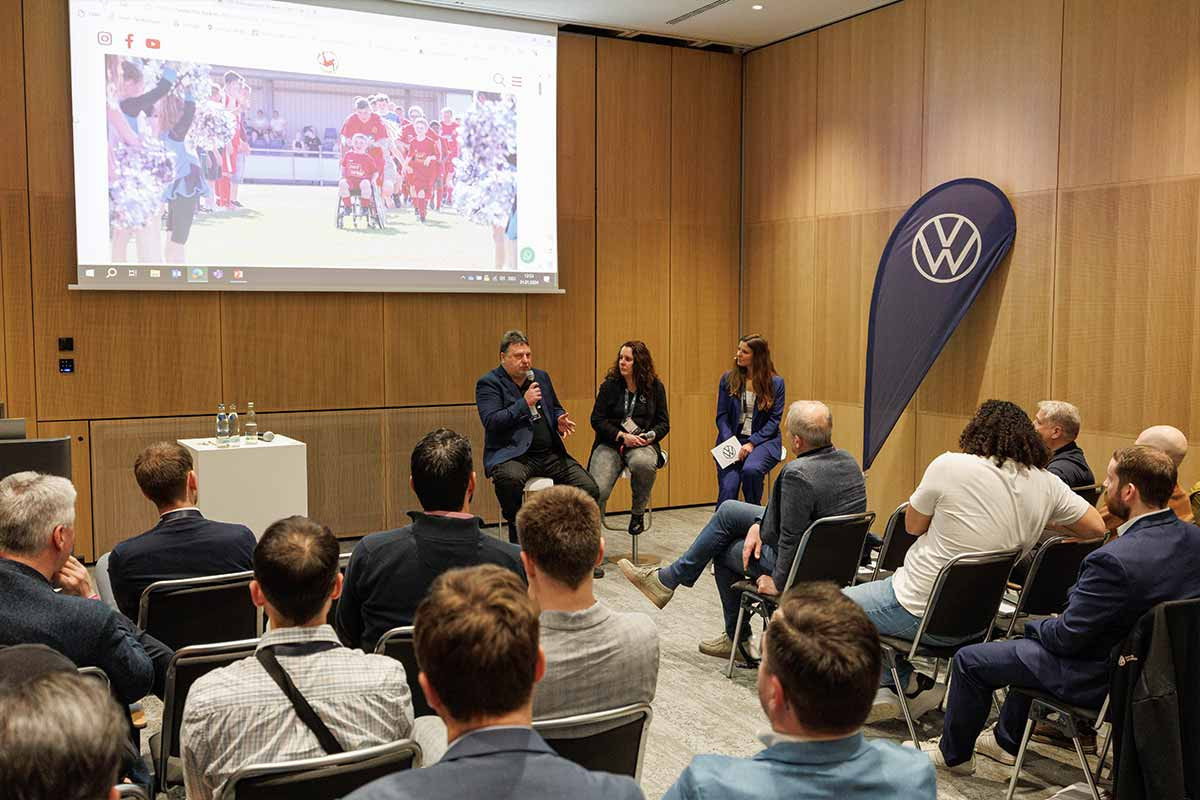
x=994 y=495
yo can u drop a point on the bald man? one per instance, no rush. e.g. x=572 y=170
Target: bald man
x=1171 y=441
x=743 y=539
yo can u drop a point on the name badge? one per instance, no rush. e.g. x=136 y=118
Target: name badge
x=629 y=425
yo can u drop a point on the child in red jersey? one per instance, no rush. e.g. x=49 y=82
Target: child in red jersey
x=358 y=171
x=425 y=154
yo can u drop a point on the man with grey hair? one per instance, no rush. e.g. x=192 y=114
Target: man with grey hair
x=37 y=536
x=1058 y=424
x=743 y=539
x=524 y=427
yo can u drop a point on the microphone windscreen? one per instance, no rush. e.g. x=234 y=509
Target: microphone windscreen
x=529 y=376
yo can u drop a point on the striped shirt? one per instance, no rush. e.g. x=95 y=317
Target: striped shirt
x=237 y=715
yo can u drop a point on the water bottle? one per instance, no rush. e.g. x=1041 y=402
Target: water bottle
x=222 y=424
x=235 y=426
x=250 y=426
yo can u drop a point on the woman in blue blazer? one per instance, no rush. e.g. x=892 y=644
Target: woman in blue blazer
x=750 y=403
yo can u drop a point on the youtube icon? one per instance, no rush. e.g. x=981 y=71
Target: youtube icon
x=153 y=44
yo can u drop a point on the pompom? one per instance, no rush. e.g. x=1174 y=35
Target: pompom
x=486 y=173
x=141 y=173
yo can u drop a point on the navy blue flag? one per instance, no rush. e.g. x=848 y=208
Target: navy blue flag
x=937 y=259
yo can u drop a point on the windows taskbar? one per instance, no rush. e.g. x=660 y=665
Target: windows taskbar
x=309 y=279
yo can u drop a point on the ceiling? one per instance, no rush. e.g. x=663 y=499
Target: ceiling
x=731 y=22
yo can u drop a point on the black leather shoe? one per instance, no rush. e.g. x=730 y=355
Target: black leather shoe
x=598 y=573
x=637 y=524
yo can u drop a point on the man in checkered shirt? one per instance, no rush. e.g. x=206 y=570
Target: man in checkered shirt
x=238 y=715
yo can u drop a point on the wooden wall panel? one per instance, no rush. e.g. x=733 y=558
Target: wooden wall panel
x=402 y=429
x=576 y=126
x=1001 y=348
x=992 y=92
x=890 y=480
x=16 y=299
x=300 y=351
x=847 y=256
x=119 y=510
x=1131 y=90
x=869 y=109
x=935 y=434
x=633 y=156
x=693 y=473
x=777 y=297
x=779 y=144
x=437 y=345
x=1127 y=264
x=81 y=476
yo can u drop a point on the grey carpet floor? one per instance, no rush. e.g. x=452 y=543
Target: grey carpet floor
x=698 y=710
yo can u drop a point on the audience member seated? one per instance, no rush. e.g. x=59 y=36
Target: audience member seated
x=1155 y=558
x=1172 y=442
x=183 y=544
x=477 y=643
x=61 y=738
x=1058 y=424
x=37 y=536
x=994 y=495
x=390 y=572
x=820 y=666
x=278 y=128
x=744 y=539
x=596 y=658
x=242 y=714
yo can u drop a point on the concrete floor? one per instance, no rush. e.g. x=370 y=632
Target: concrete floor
x=698 y=710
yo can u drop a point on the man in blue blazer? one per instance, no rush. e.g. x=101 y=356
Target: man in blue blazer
x=523 y=428
x=476 y=639
x=1155 y=558
x=183 y=544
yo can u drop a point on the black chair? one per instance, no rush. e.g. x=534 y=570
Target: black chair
x=1053 y=572
x=51 y=456
x=331 y=617
x=323 y=777
x=1072 y=721
x=608 y=741
x=398 y=644
x=188 y=611
x=131 y=791
x=896 y=541
x=96 y=673
x=830 y=550
x=962 y=608
x=186 y=667
x=1089 y=493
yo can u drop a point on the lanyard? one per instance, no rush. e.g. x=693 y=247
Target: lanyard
x=630 y=402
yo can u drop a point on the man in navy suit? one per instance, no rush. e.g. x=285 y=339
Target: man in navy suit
x=477 y=644
x=523 y=429
x=183 y=544
x=1155 y=558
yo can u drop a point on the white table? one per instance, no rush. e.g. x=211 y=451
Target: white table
x=252 y=484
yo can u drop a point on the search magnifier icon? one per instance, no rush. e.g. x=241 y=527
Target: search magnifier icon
x=498 y=79
x=112 y=272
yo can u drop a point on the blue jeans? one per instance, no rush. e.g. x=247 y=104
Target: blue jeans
x=878 y=599
x=721 y=542
x=747 y=475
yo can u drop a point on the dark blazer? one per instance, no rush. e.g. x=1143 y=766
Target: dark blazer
x=1156 y=560
x=89 y=632
x=182 y=545
x=765 y=425
x=390 y=572
x=499 y=764
x=507 y=425
x=1069 y=464
x=649 y=412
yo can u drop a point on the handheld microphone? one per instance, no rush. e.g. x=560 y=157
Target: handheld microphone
x=535 y=411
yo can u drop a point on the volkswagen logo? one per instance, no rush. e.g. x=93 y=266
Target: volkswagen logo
x=955 y=241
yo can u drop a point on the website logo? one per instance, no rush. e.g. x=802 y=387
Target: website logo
x=128 y=41
x=327 y=60
x=955 y=246
x=104 y=38
x=153 y=44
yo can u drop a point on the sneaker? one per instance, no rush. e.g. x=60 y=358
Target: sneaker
x=646 y=580
x=720 y=646
x=933 y=749
x=886 y=706
x=986 y=745
x=1048 y=734
x=597 y=573
x=927 y=696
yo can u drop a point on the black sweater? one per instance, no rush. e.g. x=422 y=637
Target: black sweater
x=649 y=412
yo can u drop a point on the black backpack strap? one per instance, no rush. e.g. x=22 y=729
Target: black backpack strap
x=329 y=742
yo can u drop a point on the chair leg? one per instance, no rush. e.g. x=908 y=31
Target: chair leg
x=912 y=728
x=1087 y=770
x=1016 y=773
x=635 y=553
x=937 y=667
x=1103 y=753
x=737 y=635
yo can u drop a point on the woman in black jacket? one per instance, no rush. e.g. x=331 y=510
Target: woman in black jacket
x=630 y=420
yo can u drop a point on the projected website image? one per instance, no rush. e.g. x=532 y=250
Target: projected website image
x=223 y=166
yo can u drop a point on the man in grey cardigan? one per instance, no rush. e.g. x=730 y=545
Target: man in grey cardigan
x=596 y=658
x=743 y=539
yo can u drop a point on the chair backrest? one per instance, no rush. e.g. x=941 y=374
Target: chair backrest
x=398 y=644
x=204 y=610
x=830 y=550
x=331 y=617
x=323 y=777
x=966 y=597
x=617 y=749
x=896 y=541
x=95 y=672
x=103 y=582
x=186 y=667
x=130 y=791
x=12 y=428
x=51 y=456
x=1053 y=572
x=1089 y=493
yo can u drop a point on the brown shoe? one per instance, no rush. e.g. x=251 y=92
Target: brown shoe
x=1045 y=733
x=646 y=579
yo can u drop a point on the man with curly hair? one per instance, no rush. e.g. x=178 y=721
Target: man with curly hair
x=993 y=495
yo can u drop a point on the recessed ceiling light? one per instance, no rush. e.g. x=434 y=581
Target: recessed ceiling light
x=757 y=7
